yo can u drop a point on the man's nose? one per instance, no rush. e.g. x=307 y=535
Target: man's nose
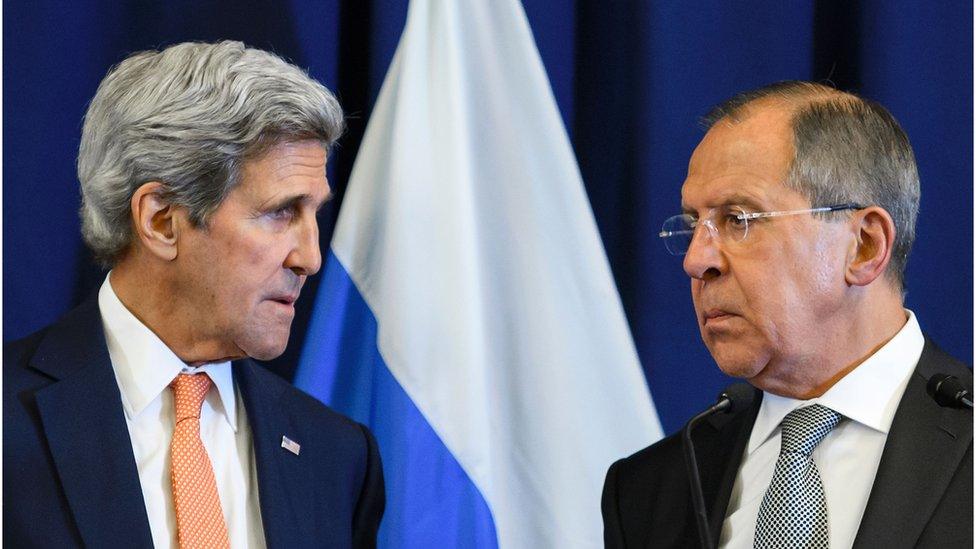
x=704 y=259
x=306 y=256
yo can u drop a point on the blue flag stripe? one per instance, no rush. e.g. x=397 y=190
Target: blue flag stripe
x=431 y=501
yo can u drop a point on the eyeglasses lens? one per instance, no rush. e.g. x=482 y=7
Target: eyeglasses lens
x=677 y=233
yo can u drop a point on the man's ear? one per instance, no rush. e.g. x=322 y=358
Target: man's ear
x=875 y=234
x=154 y=221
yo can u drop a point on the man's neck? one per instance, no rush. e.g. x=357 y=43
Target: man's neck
x=157 y=306
x=865 y=329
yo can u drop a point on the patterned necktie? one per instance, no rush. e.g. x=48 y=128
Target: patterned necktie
x=199 y=518
x=794 y=511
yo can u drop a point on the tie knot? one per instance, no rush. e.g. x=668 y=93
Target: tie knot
x=189 y=390
x=804 y=428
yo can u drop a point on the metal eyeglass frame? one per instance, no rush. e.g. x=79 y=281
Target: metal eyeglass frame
x=744 y=216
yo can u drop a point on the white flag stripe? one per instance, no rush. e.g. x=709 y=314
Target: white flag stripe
x=467 y=230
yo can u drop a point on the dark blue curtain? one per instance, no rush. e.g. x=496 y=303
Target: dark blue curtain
x=631 y=79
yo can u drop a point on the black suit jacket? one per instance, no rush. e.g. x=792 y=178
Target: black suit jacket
x=922 y=494
x=70 y=478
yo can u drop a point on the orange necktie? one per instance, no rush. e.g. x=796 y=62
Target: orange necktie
x=199 y=518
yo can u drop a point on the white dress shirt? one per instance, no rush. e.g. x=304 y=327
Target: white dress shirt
x=144 y=367
x=847 y=458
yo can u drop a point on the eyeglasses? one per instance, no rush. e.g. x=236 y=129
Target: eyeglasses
x=729 y=224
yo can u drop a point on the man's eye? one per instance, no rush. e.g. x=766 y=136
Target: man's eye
x=281 y=213
x=735 y=219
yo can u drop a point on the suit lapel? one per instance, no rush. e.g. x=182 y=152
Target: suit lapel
x=85 y=427
x=279 y=471
x=924 y=448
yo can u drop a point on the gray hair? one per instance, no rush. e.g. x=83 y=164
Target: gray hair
x=189 y=116
x=847 y=150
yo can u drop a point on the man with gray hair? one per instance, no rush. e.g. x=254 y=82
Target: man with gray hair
x=139 y=418
x=798 y=217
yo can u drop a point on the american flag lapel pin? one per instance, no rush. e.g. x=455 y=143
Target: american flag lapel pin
x=290 y=445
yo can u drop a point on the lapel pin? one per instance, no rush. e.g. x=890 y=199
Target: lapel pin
x=290 y=445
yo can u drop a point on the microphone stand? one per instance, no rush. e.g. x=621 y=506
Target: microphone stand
x=734 y=397
x=691 y=463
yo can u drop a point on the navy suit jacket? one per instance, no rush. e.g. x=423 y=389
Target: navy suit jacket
x=70 y=478
x=922 y=494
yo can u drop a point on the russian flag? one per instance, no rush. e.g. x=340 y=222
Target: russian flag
x=467 y=313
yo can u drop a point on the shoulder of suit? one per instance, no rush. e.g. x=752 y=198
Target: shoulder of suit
x=18 y=350
x=313 y=424
x=300 y=402
x=17 y=355
x=947 y=363
x=662 y=454
x=667 y=453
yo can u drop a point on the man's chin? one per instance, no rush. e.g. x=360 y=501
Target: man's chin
x=757 y=373
x=744 y=372
x=738 y=364
x=265 y=348
x=269 y=355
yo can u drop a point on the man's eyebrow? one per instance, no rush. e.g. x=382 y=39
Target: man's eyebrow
x=742 y=200
x=287 y=202
x=291 y=201
x=735 y=199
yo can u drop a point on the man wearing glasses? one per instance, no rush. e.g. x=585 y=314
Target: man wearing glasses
x=798 y=217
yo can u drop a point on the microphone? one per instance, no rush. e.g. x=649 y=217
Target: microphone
x=735 y=397
x=949 y=392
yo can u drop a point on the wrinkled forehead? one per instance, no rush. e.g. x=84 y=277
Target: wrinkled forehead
x=749 y=157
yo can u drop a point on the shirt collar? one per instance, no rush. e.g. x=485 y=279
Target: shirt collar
x=144 y=366
x=869 y=394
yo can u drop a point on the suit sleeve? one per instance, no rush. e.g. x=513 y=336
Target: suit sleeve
x=372 y=498
x=613 y=536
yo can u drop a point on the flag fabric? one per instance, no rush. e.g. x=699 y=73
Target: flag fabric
x=467 y=312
